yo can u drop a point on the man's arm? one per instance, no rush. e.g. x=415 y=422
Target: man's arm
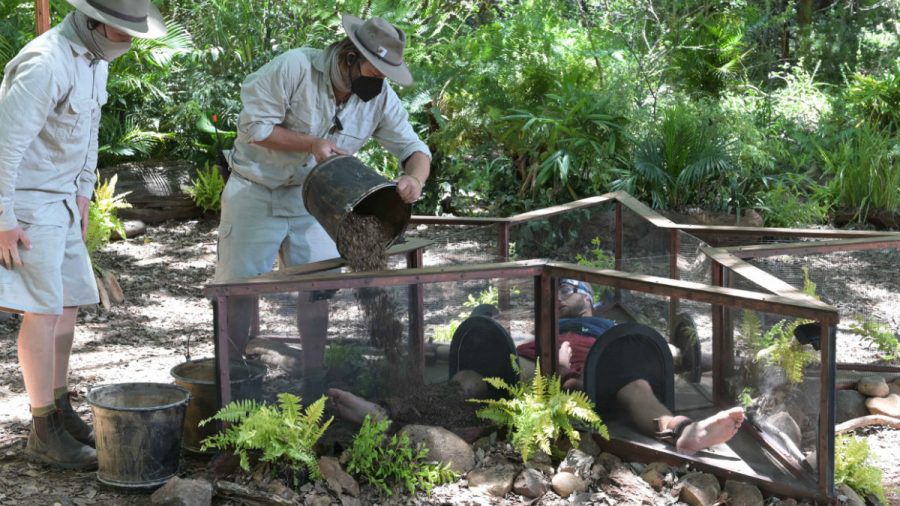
x=282 y=139
x=416 y=171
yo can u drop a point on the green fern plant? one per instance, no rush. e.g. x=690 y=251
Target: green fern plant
x=389 y=463
x=489 y=295
x=283 y=434
x=206 y=190
x=851 y=467
x=599 y=259
x=879 y=335
x=785 y=352
x=102 y=219
x=537 y=414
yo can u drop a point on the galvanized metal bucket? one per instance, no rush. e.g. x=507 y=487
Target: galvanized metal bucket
x=342 y=185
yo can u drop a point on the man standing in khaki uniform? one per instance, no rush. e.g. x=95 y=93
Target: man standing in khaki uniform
x=299 y=109
x=50 y=101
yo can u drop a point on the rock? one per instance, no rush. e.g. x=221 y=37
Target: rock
x=608 y=460
x=531 y=483
x=443 y=446
x=336 y=478
x=894 y=387
x=317 y=500
x=786 y=502
x=347 y=500
x=888 y=406
x=873 y=386
x=848 y=496
x=540 y=461
x=655 y=474
x=699 y=489
x=471 y=384
x=133 y=228
x=743 y=494
x=578 y=463
x=472 y=435
x=849 y=404
x=183 y=492
x=565 y=483
x=496 y=481
x=276 y=355
x=784 y=423
x=588 y=445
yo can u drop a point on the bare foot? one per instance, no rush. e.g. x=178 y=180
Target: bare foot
x=354 y=409
x=711 y=431
x=565 y=355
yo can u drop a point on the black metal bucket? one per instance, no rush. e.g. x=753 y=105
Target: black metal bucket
x=138 y=431
x=342 y=185
x=199 y=378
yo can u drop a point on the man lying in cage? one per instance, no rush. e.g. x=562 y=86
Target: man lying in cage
x=625 y=369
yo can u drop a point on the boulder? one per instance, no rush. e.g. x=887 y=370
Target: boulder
x=578 y=463
x=496 y=481
x=531 y=483
x=337 y=479
x=699 y=489
x=183 y=492
x=540 y=461
x=608 y=460
x=566 y=483
x=894 y=386
x=784 y=423
x=848 y=496
x=849 y=404
x=873 y=386
x=443 y=446
x=655 y=474
x=888 y=406
x=471 y=384
x=743 y=494
x=277 y=355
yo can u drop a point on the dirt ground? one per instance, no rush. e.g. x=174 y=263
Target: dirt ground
x=166 y=320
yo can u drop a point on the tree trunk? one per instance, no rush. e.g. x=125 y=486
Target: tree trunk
x=157 y=190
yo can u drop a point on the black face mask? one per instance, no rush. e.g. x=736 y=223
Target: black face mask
x=366 y=88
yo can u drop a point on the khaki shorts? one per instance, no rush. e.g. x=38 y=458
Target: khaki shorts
x=56 y=271
x=250 y=236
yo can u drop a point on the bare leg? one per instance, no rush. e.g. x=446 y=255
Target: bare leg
x=36 y=353
x=64 y=333
x=354 y=409
x=638 y=400
x=241 y=311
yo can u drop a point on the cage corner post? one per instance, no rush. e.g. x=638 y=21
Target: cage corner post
x=545 y=326
x=414 y=260
x=222 y=349
x=41 y=16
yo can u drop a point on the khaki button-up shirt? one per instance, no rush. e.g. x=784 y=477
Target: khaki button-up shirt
x=293 y=91
x=50 y=102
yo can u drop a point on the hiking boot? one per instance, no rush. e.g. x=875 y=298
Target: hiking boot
x=685 y=338
x=74 y=425
x=50 y=444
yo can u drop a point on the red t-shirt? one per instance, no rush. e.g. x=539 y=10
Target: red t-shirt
x=580 y=344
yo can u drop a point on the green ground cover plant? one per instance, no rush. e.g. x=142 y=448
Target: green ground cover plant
x=206 y=190
x=392 y=462
x=851 y=467
x=102 y=218
x=878 y=335
x=537 y=413
x=283 y=434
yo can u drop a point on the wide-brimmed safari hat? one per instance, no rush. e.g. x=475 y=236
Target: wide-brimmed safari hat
x=381 y=43
x=138 y=18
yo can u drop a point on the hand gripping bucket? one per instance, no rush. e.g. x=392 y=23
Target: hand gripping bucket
x=342 y=185
x=138 y=431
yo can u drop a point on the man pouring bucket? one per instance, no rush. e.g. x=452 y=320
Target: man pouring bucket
x=299 y=109
x=50 y=102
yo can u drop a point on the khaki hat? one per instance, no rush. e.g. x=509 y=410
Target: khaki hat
x=381 y=43
x=138 y=18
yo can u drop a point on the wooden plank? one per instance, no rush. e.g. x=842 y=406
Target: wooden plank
x=419 y=219
x=781 y=232
x=547 y=212
x=804 y=248
x=41 y=16
x=761 y=278
x=742 y=299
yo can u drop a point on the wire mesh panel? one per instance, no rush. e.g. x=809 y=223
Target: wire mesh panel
x=458 y=244
x=587 y=233
x=863 y=285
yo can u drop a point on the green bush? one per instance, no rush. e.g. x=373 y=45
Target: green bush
x=391 y=463
x=879 y=335
x=851 y=467
x=283 y=434
x=874 y=99
x=102 y=219
x=786 y=203
x=206 y=190
x=539 y=413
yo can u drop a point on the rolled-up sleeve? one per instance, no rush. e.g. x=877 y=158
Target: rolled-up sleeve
x=24 y=108
x=395 y=133
x=266 y=95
